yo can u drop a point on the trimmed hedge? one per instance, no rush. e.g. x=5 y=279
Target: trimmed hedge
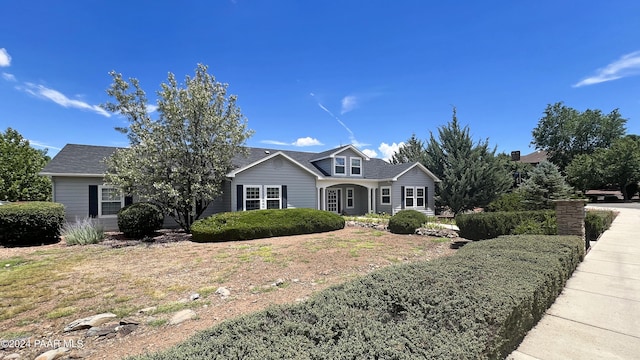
x=596 y=222
x=489 y=225
x=406 y=221
x=139 y=220
x=256 y=224
x=30 y=223
x=476 y=304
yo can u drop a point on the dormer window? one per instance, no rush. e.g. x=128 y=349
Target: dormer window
x=356 y=166
x=340 y=165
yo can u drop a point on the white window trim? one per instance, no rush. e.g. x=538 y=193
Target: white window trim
x=382 y=196
x=335 y=165
x=420 y=197
x=351 y=166
x=352 y=197
x=279 y=198
x=244 y=196
x=100 y=201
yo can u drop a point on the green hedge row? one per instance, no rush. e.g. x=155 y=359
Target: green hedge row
x=30 y=223
x=489 y=225
x=256 y=224
x=476 y=304
x=139 y=220
x=596 y=222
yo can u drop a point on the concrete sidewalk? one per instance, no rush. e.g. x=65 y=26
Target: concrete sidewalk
x=597 y=316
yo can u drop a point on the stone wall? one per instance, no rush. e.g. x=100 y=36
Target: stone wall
x=570 y=214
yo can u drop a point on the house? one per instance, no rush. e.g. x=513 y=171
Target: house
x=534 y=158
x=342 y=180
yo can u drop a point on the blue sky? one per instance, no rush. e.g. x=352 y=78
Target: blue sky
x=313 y=75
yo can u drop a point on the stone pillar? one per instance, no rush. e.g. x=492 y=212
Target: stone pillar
x=570 y=214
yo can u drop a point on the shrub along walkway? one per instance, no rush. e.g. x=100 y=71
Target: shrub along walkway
x=597 y=316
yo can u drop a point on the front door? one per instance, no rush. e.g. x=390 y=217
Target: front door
x=333 y=200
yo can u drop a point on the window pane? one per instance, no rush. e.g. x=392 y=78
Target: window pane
x=385 y=191
x=252 y=204
x=111 y=208
x=110 y=194
x=420 y=201
x=386 y=199
x=355 y=170
x=340 y=161
x=409 y=192
x=350 y=203
x=273 y=204
x=409 y=202
x=252 y=193
x=355 y=162
x=273 y=193
x=339 y=169
x=420 y=192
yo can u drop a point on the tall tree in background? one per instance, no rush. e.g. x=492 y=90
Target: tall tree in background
x=19 y=168
x=565 y=132
x=179 y=160
x=411 y=151
x=472 y=176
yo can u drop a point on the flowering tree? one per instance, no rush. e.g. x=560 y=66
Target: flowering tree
x=178 y=161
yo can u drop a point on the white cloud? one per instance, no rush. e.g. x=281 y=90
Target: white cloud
x=151 y=108
x=370 y=153
x=274 y=142
x=61 y=99
x=301 y=142
x=5 y=58
x=39 y=144
x=357 y=143
x=627 y=65
x=349 y=103
x=388 y=150
x=306 y=141
x=8 y=77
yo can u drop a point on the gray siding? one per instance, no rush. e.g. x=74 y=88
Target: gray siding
x=301 y=185
x=73 y=193
x=414 y=177
x=380 y=208
x=324 y=165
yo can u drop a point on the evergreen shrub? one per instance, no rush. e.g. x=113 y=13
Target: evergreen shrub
x=139 y=220
x=489 y=225
x=476 y=304
x=256 y=224
x=406 y=221
x=30 y=223
x=596 y=222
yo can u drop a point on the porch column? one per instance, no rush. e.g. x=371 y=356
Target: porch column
x=318 y=198
x=373 y=199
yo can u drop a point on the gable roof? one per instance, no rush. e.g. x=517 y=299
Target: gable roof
x=88 y=160
x=535 y=157
x=79 y=160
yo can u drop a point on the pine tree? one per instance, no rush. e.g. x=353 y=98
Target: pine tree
x=545 y=184
x=411 y=151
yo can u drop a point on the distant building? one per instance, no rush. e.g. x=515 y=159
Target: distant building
x=534 y=158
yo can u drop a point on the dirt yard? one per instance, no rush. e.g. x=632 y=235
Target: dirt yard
x=43 y=289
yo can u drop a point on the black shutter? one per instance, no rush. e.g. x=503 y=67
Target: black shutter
x=402 y=197
x=128 y=200
x=93 y=201
x=239 y=197
x=426 y=197
x=284 y=196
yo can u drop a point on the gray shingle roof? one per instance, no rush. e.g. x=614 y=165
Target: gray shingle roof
x=80 y=160
x=89 y=159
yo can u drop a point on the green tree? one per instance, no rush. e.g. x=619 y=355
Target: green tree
x=584 y=172
x=620 y=165
x=545 y=184
x=412 y=151
x=472 y=176
x=565 y=132
x=179 y=160
x=19 y=168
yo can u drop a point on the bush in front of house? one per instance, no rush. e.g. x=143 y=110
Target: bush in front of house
x=476 y=304
x=406 y=221
x=596 y=222
x=83 y=232
x=30 y=223
x=489 y=225
x=139 y=220
x=256 y=224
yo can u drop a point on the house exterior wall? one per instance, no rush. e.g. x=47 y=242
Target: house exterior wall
x=360 y=199
x=384 y=208
x=73 y=193
x=411 y=178
x=301 y=185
